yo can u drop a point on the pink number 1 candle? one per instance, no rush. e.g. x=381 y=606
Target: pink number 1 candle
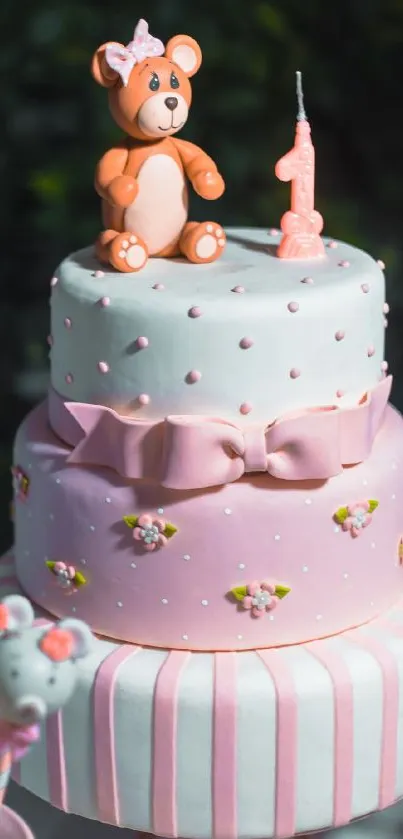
x=302 y=224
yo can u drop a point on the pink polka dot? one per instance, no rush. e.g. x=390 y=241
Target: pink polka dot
x=69 y=378
x=339 y=335
x=344 y=263
x=103 y=366
x=293 y=306
x=332 y=244
x=142 y=342
x=54 y=281
x=370 y=351
x=274 y=231
x=246 y=343
x=67 y=323
x=307 y=280
x=381 y=264
x=245 y=408
x=144 y=399
x=98 y=274
x=384 y=366
x=195 y=312
x=104 y=302
x=340 y=393
x=238 y=289
x=386 y=308
x=385 y=322
x=295 y=373
x=158 y=286
x=365 y=288
x=193 y=376
x=50 y=340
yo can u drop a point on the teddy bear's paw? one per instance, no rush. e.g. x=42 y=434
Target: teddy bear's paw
x=203 y=242
x=128 y=253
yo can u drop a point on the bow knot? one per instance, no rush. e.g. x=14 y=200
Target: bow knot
x=123 y=59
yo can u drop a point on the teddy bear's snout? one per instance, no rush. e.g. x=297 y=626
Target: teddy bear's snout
x=171 y=103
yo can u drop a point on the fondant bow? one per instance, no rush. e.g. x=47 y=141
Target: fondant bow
x=17 y=740
x=123 y=59
x=195 y=452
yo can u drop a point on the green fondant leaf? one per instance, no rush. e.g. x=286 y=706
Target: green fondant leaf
x=79 y=579
x=282 y=591
x=341 y=514
x=131 y=521
x=239 y=592
x=373 y=505
x=170 y=530
x=50 y=564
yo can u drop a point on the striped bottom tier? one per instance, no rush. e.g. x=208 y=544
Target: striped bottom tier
x=249 y=744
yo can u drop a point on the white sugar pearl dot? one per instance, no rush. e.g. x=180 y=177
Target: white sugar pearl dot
x=92 y=527
x=83 y=561
x=133 y=565
x=345 y=576
x=336 y=529
x=365 y=482
x=305 y=569
x=164 y=601
x=108 y=500
x=271 y=617
x=58 y=480
x=160 y=511
x=227 y=511
x=308 y=501
x=186 y=557
x=204 y=602
x=241 y=565
x=373 y=545
x=394 y=466
x=372 y=603
x=319 y=617
x=240 y=637
x=73 y=608
x=185 y=637
x=51 y=516
x=26 y=553
x=277 y=537
x=393 y=497
x=120 y=604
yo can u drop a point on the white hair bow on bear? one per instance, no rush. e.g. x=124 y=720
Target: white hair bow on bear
x=123 y=59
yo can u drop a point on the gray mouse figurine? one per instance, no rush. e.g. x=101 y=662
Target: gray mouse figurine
x=38 y=675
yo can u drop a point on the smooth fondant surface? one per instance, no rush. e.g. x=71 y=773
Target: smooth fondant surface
x=228 y=745
x=178 y=338
x=258 y=528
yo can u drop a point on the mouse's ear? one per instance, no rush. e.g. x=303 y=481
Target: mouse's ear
x=185 y=52
x=100 y=69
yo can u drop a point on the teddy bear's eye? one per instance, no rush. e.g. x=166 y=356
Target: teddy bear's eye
x=154 y=82
x=174 y=81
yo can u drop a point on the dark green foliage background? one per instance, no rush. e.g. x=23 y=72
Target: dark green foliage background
x=55 y=125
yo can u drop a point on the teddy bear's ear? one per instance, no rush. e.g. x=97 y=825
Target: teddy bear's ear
x=102 y=73
x=185 y=52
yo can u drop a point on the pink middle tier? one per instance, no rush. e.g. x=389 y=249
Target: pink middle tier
x=256 y=529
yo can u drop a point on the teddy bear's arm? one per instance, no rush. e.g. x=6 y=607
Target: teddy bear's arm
x=200 y=169
x=111 y=166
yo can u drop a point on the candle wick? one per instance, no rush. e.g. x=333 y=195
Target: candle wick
x=300 y=98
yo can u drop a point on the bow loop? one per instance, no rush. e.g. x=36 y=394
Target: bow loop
x=122 y=59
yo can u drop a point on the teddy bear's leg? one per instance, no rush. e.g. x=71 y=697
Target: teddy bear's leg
x=125 y=251
x=202 y=242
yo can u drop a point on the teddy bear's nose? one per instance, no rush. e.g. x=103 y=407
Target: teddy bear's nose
x=171 y=102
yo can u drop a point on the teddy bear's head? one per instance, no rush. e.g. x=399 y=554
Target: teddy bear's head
x=149 y=88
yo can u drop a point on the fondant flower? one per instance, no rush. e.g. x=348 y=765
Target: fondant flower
x=260 y=597
x=152 y=531
x=356 y=516
x=20 y=483
x=67 y=576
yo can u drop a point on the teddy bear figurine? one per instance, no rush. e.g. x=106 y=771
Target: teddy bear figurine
x=143 y=180
x=38 y=675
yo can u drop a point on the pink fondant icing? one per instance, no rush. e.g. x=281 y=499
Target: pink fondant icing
x=196 y=452
x=56 y=761
x=104 y=728
x=219 y=529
